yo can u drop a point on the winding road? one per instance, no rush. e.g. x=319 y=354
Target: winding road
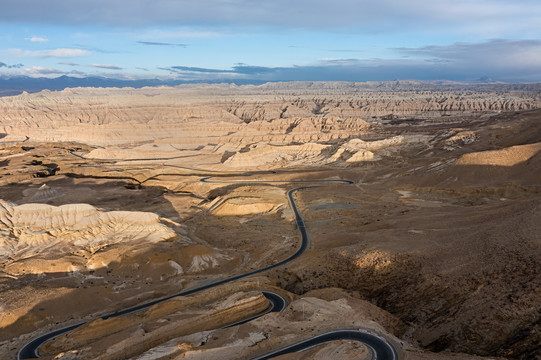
x=30 y=350
x=379 y=346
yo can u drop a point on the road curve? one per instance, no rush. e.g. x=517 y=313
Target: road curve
x=381 y=349
x=30 y=350
x=278 y=304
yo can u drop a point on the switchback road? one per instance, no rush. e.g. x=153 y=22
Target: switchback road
x=31 y=349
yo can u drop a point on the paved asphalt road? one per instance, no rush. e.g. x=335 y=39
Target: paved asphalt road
x=31 y=349
x=381 y=349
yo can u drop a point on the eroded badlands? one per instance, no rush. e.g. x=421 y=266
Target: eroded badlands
x=434 y=245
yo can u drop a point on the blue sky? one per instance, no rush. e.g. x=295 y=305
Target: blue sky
x=271 y=41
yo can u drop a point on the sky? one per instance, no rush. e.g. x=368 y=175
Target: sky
x=278 y=40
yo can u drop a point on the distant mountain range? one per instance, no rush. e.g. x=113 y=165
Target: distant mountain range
x=17 y=84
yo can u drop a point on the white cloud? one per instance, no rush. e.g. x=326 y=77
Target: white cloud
x=40 y=70
x=67 y=53
x=61 y=53
x=496 y=53
x=110 y=67
x=37 y=39
x=508 y=60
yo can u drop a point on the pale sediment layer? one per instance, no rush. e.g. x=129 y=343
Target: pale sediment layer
x=31 y=229
x=198 y=115
x=505 y=157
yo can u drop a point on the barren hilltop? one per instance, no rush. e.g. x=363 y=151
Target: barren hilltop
x=414 y=218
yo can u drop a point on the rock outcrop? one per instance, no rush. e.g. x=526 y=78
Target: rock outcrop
x=505 y=157
x=30 y=229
